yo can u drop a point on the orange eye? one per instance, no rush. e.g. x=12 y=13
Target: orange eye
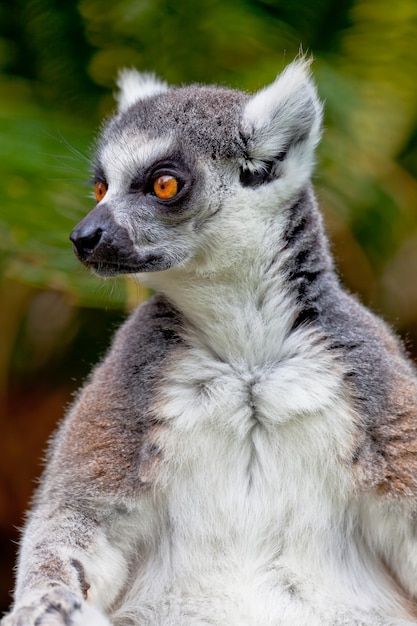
x=165 y=187
x=100 y=190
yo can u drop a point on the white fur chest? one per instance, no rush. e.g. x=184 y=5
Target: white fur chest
x=252 y=517
x=251 y=446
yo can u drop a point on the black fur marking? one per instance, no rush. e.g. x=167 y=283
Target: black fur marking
x=307 y=315
x=300 y=221
x=307 y=264
x=266 y=174
x=84 y=585
x=258 y=177
x=64 y=608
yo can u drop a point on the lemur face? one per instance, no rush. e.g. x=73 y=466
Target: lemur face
x=158 y=180
x=178 y=170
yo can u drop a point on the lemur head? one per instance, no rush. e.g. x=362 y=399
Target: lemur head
x=185 y=175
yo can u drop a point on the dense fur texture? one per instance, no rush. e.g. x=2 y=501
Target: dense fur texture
x=246 y=453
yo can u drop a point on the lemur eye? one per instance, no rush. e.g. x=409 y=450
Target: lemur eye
x=100 y=190
x=165 y=187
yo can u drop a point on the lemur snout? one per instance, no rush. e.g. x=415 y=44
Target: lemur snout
x=106 y=247
x=99 y=242
x=91 y=233
x=85 y=241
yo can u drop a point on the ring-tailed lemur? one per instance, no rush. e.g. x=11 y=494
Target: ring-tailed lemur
x=246 y=454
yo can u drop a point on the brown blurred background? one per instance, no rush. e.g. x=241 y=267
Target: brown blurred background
x=58 y=61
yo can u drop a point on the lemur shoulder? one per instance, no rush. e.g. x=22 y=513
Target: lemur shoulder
x=246 y=453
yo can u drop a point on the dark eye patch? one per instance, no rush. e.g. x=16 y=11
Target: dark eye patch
x=172 y=167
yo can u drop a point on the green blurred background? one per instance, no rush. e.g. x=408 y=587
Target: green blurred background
x=58 y=61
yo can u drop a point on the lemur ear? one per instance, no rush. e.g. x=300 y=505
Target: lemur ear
x=283 y=118
x=135 y=86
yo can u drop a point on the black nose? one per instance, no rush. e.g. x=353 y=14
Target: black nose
x=86 y=238
x=91 y=233
x=100 y=242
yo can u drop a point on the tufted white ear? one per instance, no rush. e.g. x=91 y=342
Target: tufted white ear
x=287 y=114
x=135 y=86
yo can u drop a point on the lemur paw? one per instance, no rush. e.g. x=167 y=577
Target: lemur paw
x=58 y=607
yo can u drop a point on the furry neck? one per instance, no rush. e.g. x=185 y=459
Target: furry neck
x=262 y=297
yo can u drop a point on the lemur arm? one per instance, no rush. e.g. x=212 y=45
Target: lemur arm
x=99 y=484
x=386 y=464
x=74 y=547
x=67 y=558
